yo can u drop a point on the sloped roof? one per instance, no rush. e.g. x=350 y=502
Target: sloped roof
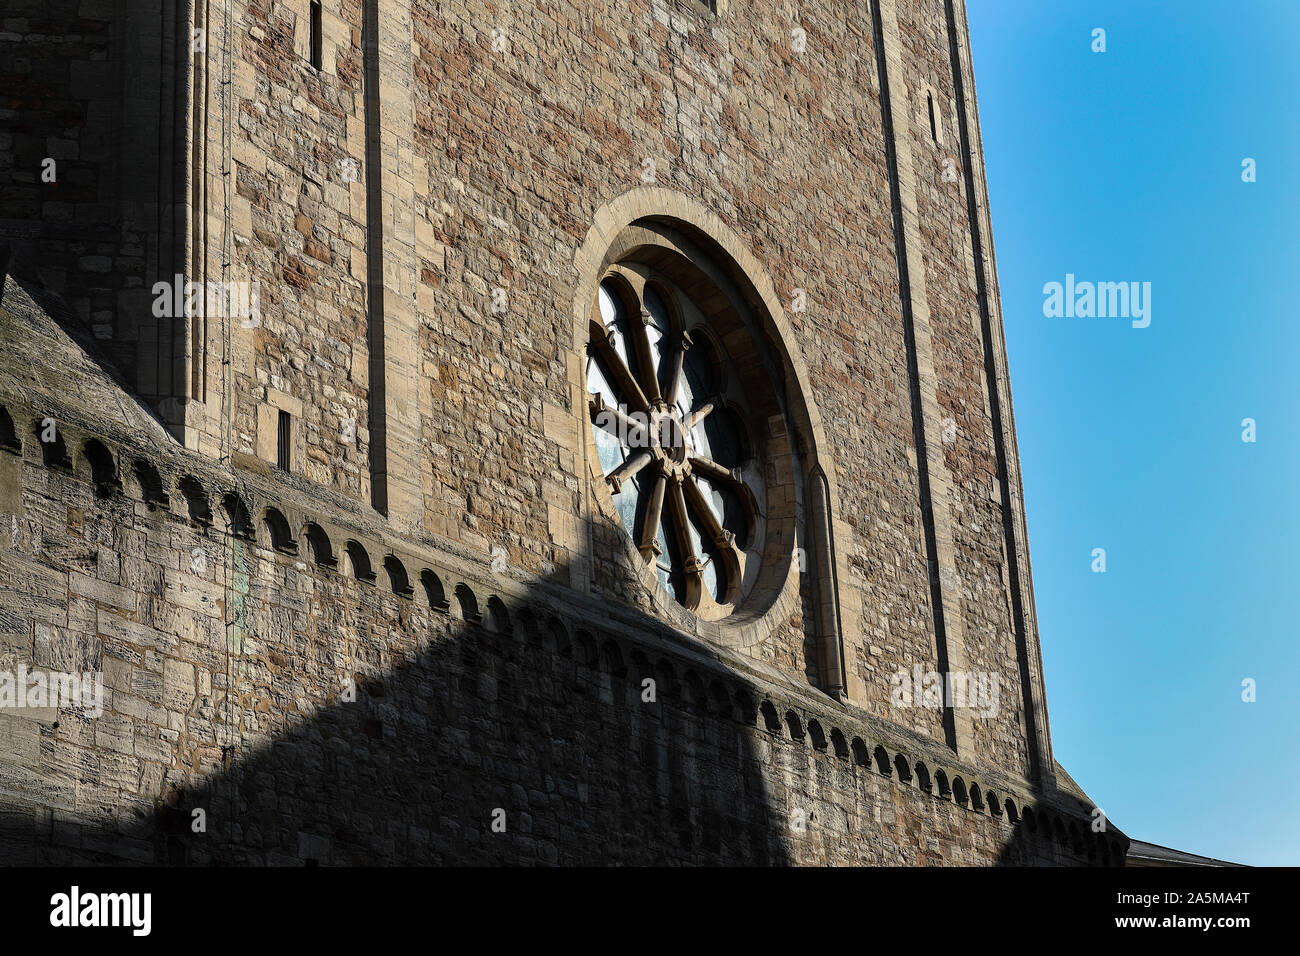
x=48 y=358
x=1152 y=854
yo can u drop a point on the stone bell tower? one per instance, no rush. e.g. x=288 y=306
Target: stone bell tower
x=357 y=320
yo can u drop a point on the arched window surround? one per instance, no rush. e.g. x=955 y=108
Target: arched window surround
x=652 y=225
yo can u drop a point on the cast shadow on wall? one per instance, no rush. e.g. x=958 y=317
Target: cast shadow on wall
x=501 y=741
x=44 y=336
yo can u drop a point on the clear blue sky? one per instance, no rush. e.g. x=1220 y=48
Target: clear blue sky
x=1126 y=166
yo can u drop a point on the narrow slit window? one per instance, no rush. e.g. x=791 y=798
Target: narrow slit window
x=282 y=442
x=315 y=35
x=934 y=130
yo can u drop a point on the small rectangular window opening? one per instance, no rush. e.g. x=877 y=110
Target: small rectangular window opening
x=934 y=132
x=282 y=442
x=315 y=35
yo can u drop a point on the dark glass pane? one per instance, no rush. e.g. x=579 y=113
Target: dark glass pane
x=697 y=378
x=614 y=314
x=672 y=561
x=715 y=573
x=600 y=382
x=734 y=516
x=626 y=503
x=719 y=439
x=728 y=509
x=659 y=332
x=608 y=450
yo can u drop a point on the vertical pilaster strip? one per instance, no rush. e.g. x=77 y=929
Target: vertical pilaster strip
x=152 y=129
x=1028 y=648
x=832 y=634
x=201 y=255
x=158 y=253
x=396 y=489
x=935 y=481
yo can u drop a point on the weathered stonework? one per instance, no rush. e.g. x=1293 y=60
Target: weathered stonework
x=434 y=613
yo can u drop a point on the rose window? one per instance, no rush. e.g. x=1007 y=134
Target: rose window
x=669 y=420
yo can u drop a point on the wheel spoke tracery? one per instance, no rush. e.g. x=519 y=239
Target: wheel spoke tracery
x=618 y=423
x=701 y=413
x=645 y=356
x=715 y=472
x=653 y=515
x=678 y=365
x=624 y=382
x=657 y=449
x=705 y=518
x=629 y=468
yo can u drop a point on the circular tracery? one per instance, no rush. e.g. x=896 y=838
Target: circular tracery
x=667 y=411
